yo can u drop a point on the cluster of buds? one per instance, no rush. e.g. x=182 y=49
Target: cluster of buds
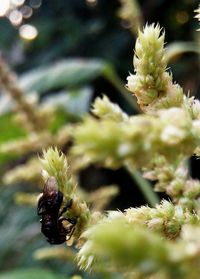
x=152 y=84
x=147 y=254
x=105 y=109
x=27 y=111
x=166 y=218
x=159 y=242
x=55 y=166
x=198 y=15
x=175 y=181
x=138 y=139
x=156 y=240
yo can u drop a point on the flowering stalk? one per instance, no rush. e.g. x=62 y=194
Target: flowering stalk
x=146 y=242
x=152 y=84
x=138 y=139
x=146 y=252
x=55 y=165
x=32 y=143
x=170 y=130
x=29 y=172
x=119 y=234
x=24 y=107
x=35 y=142
x=104 y=109
x=198 y=15
x=158 y=142
x=176 y=182
x=166 y=219
x=56 y=252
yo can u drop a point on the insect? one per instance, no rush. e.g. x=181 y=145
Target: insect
x=49 y=208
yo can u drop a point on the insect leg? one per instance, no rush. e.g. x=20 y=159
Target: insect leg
x=70 y=228
x=40 y=208
x=66 y=207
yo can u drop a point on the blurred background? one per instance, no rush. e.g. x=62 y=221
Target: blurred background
x=66 y=53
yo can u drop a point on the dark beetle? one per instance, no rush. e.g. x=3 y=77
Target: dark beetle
x=49 y=208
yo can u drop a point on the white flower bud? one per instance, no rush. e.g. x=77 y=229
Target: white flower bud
x=172 y=135
x=124 y=149
x=196 y=108
x=196 y=126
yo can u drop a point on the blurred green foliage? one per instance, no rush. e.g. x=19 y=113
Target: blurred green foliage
x=14 y=130
x=35 y=273
x=79 y=46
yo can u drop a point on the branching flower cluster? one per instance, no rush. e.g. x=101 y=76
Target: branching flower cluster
x=151 y=83
x=198 y=15
x=146 y=242
x=158 y=242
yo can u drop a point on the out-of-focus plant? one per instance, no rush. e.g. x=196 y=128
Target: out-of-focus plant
x=131 y=14
x=44 y=124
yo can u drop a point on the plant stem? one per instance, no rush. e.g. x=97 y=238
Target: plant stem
x=110 y=74
x=145 y=187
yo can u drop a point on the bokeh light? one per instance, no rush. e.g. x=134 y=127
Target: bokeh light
x=17 y=11
x=35 y=4
x=15 y=17
x=182 y=17
x=28 y=32
x=91 y=3
x=4 y=7
x=26 y=11
x=17 y=2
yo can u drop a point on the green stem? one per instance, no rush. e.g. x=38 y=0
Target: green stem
x=110 y=74
x=145 y=187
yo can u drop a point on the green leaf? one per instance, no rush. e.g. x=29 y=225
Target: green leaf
x=76 y=101
x=9 y=128
x=73 y=73
x=70 y=73
x=9 y=131
x=178 y=48
x=31 y=273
